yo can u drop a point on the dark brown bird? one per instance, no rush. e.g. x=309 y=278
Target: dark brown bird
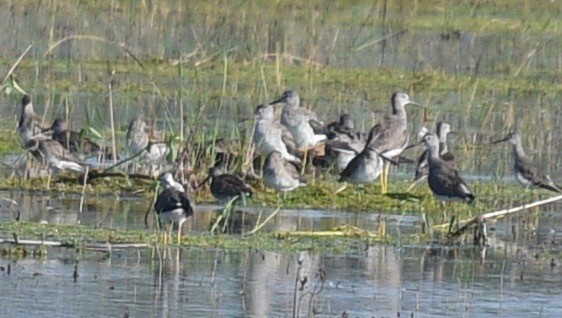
x=225 y=186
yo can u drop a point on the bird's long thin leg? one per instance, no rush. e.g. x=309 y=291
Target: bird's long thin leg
x=49 y=173
x=382 y=180
x=179 y=232
x=170 y=233
x=386 y=170
x=304 y=161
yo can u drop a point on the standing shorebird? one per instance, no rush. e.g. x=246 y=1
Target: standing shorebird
x=72 y=140
x=280 y=174
x=225 y=186
x=302 y=123
x=54 y=155
x=138 y=140
x=345 y=142
x=137 y=136
x=366 y=166
x=391 y=136
x=443 y=178
x=526 y=172
x=27 y=125
x=422 y=168
x=270 y=135
x=172 y=206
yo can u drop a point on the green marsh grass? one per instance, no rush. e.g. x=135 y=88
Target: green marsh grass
x=197 y=70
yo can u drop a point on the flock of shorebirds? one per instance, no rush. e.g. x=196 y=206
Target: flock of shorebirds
x=286 y=144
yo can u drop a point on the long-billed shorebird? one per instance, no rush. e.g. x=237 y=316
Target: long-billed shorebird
x=443 y=178
x=54 y=155
x=387 y=139
x=172 y=206
x=280 y=174
x=422 y=168
x=137 y=136
x=302 y=123
x=345 y=142
x=366 y=166
x=72 y=140
x=525 y=171
x=27 y=126
x=225 y=186
x=270 y=135
x=138 y=140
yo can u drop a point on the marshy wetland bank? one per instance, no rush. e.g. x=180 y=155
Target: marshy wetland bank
x=79 y=234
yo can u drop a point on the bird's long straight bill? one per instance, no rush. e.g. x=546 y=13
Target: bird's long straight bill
x=277 y=101
x=203 y=182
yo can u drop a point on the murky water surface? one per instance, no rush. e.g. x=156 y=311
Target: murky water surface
x=518 y=276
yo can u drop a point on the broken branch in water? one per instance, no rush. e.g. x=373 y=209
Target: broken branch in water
x=480 y=220
x=92 y=246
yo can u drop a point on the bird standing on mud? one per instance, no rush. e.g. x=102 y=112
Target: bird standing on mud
x=391 y=136
x=443 y=178
x=280 y=174
x=525 y=171
x=422 y=168
x=303 y=123
x=270 y=135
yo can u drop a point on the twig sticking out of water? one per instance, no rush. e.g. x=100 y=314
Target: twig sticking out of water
x=481 y=219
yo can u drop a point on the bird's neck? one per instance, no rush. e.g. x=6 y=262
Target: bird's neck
x=443 y=147
x=518 y=150
x=433 y=152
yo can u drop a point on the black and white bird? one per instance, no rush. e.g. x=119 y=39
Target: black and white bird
x=225 y=186
x=172 y=206
x=303 y=123
x=443 y=178
x=525 y=171
x=422 y=168
x=280 y=174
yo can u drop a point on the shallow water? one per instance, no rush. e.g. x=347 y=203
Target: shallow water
x=512 y=278
x=379 y=281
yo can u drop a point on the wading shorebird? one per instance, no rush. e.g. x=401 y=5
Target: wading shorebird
x=72 y=140
x=443 y=178
x=422 y=168
x=303 y=123
x=345 y=142
x=54 y=155
x=27 y=126
x=225 y=186
x=366 y=166
x=138 y=140
x=391 y=136
x=172 y=206
x=525 y=171
x=270 y=135
x=279 y=174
